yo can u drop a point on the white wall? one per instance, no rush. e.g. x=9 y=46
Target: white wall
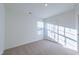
x=20 y=29
x=2 y=28
x=66 y=19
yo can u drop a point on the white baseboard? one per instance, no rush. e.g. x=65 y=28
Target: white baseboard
x=22 y=44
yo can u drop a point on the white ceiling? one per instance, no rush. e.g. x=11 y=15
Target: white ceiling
x=39 y=10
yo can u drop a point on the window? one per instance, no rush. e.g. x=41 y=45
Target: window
x=71 y=33
x=50 y=27
x=67 y=37
x=56 y=37
x=71 y=44
x=63 y=35
x=55 y=28
x=40 y=26
x=50 y=31
x=61 y=30
x=62 y=40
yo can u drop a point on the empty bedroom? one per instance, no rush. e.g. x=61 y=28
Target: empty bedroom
x=39 y=28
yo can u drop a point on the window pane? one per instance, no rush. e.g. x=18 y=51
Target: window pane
x=71 y=33
x=56 y=37
x=62 y=40
x=61 y=28
x=50 y=27
x=71 y=44
x=51 y=34
x=61 y=32
x=67 y=30
x=40 y=24
x=74 y=37
x=56 y=29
